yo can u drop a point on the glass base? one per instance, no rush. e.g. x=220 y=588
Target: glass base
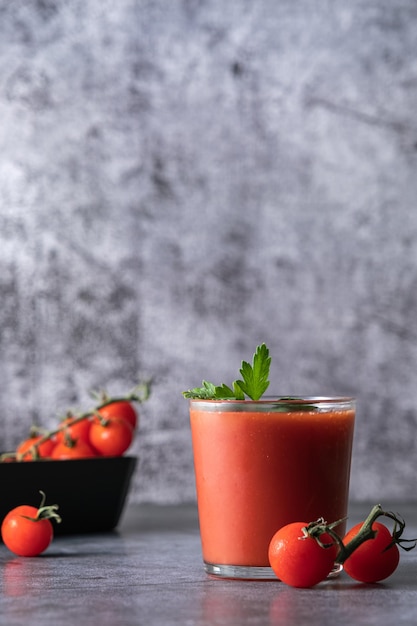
x=246 y=572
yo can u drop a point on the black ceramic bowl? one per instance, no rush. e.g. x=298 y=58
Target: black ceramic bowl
x=90 y=493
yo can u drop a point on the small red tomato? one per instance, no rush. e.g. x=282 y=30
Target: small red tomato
x=8 y=457
x=78 y=430
x=121 y=409
x=299 y=560
x=111 y=437
x=26 y=451
x=375 y=559
x=27 y=531
x=73 y=449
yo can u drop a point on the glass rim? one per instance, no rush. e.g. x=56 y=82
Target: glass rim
x=277 y=403
x=277 y=398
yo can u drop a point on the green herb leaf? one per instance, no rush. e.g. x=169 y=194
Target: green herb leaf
x=223 y=391
x=206 y=392
x=254 y=384
x=239 y=393
x=255 y=377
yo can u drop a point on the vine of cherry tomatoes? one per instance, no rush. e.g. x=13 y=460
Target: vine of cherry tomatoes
x=94 y=435
x=303 y=555
x=107 y=430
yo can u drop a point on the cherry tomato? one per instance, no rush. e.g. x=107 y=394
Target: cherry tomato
x=73 y=449
x=299 y=560
x=111 y=437
x=79 y=430
x=26 y=537
x=375 y=559
x=44 y=450
x=8 y=459
x=121 y=409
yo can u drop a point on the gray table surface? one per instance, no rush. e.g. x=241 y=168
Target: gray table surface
x=149 y=571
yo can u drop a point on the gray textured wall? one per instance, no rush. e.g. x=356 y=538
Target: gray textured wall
x=181 y=180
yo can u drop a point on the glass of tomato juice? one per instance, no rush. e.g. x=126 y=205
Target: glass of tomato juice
x=260 y=465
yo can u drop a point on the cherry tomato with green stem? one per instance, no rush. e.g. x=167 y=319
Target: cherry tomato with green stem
x=375 y=559
x=299 y=559
x=73 y=449
x=74 y=428
x=121 y=409
x=111 y=437
x=27 y=452
x=27 y=530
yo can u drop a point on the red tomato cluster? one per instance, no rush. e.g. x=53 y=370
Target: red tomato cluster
x=107 y=432
x=303 y=560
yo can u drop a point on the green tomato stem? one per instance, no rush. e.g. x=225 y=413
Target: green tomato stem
x=316 y=530
x=45 y=512
x=365 y=532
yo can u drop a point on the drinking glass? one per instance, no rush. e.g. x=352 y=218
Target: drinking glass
x=260 y=465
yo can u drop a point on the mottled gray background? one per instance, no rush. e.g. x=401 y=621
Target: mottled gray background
x=181 y=180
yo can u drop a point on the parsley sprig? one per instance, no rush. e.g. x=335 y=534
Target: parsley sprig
x=254 y=384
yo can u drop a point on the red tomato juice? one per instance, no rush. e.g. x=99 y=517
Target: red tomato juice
x=257 y=470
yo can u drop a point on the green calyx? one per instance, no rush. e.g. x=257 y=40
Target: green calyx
x=45 y=512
